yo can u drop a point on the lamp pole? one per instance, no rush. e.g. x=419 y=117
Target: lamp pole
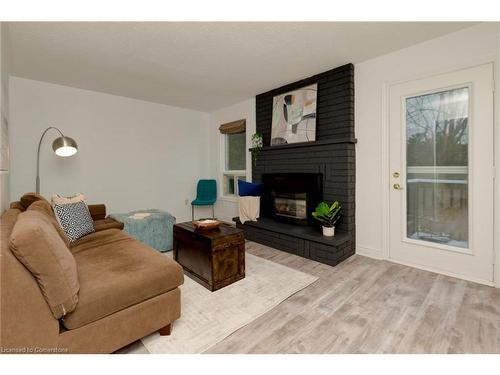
x=59 y=143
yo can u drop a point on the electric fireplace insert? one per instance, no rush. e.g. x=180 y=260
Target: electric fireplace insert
x=291 y=197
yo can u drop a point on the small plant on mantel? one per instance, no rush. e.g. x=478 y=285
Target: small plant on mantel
x=256 y=147
x=328 y=215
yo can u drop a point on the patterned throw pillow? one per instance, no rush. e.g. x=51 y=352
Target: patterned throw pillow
x=74 y=219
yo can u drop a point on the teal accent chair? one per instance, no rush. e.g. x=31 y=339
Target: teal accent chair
x=206 y=195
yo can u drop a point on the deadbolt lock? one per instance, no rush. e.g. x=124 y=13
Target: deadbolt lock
x=397 y=187
x=395 y=174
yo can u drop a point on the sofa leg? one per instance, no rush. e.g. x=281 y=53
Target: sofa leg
x=165 y=331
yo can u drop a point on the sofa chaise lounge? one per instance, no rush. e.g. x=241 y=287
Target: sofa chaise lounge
x=125 y=289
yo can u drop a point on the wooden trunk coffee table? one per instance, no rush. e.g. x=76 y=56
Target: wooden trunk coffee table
x=214 y=258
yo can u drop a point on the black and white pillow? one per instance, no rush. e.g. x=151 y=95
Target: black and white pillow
x=74 y=219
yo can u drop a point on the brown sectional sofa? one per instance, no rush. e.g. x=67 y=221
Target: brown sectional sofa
x=126 y=291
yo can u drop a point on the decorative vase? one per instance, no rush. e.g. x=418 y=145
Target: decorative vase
x=328 y=231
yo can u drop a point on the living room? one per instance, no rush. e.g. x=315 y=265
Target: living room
x=211 y=188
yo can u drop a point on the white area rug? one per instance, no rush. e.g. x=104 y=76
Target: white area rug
x=209 y=317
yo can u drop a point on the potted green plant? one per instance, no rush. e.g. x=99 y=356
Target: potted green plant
x=256 y=147
x=328 y=215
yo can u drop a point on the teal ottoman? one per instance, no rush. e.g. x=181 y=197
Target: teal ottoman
x=152 y=227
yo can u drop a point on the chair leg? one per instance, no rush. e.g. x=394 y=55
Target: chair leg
x=192 y=212
x=213 y=212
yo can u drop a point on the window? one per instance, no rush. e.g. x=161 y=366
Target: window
x=235 y=162
x=234 y=147
x=437 y=157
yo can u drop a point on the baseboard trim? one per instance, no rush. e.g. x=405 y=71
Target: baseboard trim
x=378 y=254
x=441 y=272
x=369 y=252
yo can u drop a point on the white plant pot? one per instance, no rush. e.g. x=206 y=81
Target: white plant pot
x=328 y=231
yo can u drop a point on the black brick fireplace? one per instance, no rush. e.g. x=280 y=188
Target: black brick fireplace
x=322 y=170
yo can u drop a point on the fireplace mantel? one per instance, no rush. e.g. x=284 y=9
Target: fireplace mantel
x=308 y=144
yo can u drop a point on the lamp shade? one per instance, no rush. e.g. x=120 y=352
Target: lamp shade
x=64 y=146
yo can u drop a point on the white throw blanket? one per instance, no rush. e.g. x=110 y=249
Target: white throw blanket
x=249 y=208
x=139 y=215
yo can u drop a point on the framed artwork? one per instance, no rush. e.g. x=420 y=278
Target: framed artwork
x=294 y=116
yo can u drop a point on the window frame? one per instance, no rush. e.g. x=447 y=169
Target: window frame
x=224 y=172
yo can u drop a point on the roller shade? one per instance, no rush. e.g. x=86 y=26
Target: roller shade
x=233 y=127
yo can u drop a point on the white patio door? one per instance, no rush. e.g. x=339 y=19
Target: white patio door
x=441 y=173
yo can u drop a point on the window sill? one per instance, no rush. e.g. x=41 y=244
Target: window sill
x=229 y=198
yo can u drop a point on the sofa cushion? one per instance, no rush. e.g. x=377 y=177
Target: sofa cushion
x=45 y=208
x=28 y=198
x=108 y=236
x=17 y=206
x=37 y=245
x=74 y=219
x=116 y=272
x=104 y=224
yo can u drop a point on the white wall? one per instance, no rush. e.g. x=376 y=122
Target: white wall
x=132 y=154
x=469 y=47
x=227 y=208
x=4 y=113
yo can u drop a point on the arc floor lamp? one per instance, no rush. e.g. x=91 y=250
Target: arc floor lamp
x=63 y=146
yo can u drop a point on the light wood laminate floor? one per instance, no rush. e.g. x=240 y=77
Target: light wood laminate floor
x=365 y=305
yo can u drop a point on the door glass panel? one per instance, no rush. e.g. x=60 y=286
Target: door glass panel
x=437 y=140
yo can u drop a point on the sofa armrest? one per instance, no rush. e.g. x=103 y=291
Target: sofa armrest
x=108 y=223
x=97 y=211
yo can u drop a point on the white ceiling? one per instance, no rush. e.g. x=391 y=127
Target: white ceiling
x=203 y=66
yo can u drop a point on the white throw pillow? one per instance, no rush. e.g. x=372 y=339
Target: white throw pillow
x=58 y=199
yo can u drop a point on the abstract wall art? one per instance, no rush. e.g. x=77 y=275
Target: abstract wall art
x=294 y=116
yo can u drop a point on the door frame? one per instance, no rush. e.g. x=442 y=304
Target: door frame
x=385 y=179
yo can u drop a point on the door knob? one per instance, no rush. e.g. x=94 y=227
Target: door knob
x=397 y=187
x=395 y=174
